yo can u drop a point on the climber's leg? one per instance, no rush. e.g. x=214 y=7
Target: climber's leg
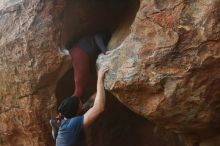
x=81 y=66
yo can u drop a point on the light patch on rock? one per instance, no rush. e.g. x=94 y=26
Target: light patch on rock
x=8 y=3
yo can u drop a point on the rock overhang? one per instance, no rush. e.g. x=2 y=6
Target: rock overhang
x=168 y=63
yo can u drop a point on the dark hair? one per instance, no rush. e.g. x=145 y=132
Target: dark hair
x=69 y=107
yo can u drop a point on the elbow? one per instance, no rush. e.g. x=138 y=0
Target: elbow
x=101 y=109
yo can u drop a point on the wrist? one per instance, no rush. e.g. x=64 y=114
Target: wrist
x=100 y=80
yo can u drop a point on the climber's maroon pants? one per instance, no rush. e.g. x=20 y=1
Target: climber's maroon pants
x=84 y=73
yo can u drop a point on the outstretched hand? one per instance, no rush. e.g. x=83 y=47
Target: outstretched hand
x=102 y=71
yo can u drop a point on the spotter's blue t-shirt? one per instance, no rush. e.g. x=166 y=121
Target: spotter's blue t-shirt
x=69 y=131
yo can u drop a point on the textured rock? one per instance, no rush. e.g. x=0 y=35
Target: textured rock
x=168 y=67
x=118 y=126
x=30 y=65
x=31 y=61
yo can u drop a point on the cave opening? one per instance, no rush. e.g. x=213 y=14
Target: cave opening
x=117 y=125
x=83 y=17
x=65 y=86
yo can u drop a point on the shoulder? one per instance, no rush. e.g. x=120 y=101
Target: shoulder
x=77 y=118
x=76 y=121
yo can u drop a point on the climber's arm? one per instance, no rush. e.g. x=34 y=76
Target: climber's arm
x=91 y=115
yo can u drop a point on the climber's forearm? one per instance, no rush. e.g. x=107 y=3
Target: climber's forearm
x=99 y=103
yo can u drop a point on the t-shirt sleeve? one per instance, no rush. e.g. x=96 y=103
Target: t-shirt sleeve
x=76 y=124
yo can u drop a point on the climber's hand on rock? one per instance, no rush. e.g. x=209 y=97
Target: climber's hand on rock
x=101 y=72
x=108 y=52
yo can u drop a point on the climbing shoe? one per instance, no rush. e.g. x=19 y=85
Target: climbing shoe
x=54 y=128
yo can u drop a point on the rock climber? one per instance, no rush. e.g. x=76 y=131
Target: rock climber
x=84 y=53
x=72 y=123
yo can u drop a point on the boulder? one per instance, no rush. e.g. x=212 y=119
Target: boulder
x=164 y=66
x=31 y=62
x=167 y=69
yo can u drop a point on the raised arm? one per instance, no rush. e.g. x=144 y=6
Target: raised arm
x=92 y=114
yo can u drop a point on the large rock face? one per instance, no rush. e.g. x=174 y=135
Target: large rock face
x=168 y=67
x=30 y=65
